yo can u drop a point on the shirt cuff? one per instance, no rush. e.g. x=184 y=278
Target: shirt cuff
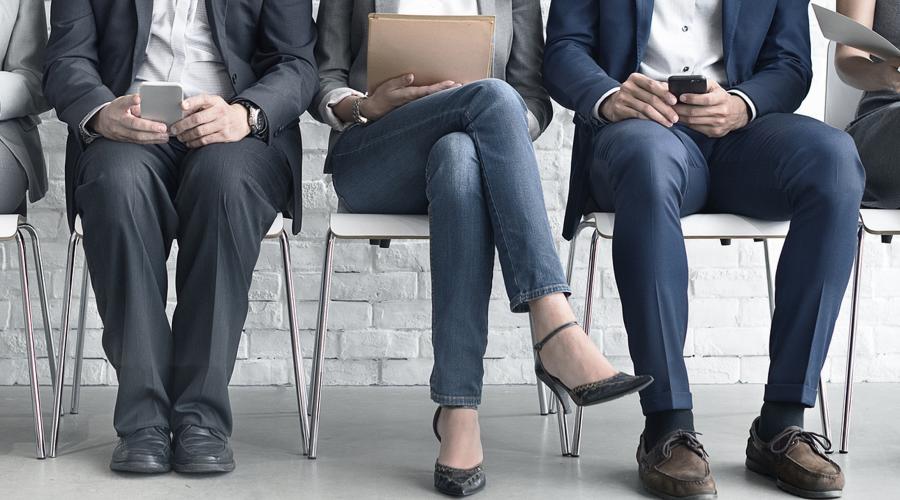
x=600 y=101
x=326 y=110
x=746 y=98
x=86 y=135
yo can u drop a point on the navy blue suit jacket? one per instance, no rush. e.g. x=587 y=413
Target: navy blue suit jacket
x=594 y=45
x=97 y=46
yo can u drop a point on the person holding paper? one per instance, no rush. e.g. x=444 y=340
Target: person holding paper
x=462 y=154
x=215 y=181
x=878 y=116
x=23 y=34
x=653 y=158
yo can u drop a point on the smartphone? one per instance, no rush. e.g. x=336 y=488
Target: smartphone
x=161 y=102
x=687 y=84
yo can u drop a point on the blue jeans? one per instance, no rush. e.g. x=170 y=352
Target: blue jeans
x=463 y=156
x=780 y=167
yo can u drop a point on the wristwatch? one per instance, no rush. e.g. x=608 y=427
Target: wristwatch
x=256 y=119
x=357 y=113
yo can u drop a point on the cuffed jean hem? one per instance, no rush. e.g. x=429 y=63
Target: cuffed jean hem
x=445 y=400
x=667 y=401
x=791 y=393
x=519 y=303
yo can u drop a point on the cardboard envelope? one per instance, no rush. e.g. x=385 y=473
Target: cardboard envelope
x=433 y=48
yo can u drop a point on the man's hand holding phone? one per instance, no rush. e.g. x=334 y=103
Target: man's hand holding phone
x=210 y=120
x=121 y=121
x=713 y=114
x=643 y=98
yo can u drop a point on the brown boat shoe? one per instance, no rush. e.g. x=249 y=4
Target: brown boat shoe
x=797 y=460
x=677 y=468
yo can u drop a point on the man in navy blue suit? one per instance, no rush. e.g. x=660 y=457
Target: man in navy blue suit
x=653 y=158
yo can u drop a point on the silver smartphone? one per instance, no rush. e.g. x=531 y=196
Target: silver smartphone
x=161 y=102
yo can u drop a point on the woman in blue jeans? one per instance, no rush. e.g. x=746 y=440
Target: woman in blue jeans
x=463 y=155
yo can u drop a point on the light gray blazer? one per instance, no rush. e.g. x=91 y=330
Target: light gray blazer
x=23 y=35
x=518 y=49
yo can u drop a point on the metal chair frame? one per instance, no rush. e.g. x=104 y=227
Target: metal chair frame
x=20 y=228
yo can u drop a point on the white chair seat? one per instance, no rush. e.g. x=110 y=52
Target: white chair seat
x=708 y=226
x=9 y=224
x=376 y=226
x=881 y=222
x=273 y=232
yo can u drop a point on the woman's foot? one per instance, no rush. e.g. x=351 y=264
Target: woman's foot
x=572 y=356
x=460 y=438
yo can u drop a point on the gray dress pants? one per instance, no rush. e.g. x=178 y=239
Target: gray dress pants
x=218 y=202
x=877 y=136
x=13 y=183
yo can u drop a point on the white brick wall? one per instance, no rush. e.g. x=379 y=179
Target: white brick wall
x=380 y=318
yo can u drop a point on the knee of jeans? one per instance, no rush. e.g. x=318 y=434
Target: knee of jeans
x=453 y=166
x=496 y=97
x=833 y=171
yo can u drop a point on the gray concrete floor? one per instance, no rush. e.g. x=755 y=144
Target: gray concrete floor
x=377 y=443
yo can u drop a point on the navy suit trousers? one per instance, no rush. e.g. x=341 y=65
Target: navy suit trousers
x=779 y=167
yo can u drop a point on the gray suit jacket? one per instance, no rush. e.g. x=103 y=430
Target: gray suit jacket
x=518 y=49
x=23 y=35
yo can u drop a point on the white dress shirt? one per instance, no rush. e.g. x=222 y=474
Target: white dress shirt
x=685 y=39
x=411 y=7
x=181 y=50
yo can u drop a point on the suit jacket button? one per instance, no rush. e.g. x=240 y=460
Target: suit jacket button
x=234 y=78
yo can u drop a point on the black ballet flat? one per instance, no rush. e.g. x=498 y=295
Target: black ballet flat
x=456 y=482
x=620 y=384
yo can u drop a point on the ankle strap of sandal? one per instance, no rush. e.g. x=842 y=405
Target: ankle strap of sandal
x=540 y=345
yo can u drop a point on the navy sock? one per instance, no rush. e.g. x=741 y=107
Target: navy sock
x=660 y=424
x=776 y=417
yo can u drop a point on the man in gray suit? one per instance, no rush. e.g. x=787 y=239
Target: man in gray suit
x=23 y=33
x=215 y=181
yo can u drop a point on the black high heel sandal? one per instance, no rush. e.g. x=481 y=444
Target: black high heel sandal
x=608 y=389
x=456 y=482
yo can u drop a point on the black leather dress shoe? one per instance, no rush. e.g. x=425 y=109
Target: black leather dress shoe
x=201 y=450
x=145 y=451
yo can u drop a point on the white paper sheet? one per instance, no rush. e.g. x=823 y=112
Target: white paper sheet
x=841 y=29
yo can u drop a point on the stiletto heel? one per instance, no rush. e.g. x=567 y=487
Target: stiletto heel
x=601 y=391
x=456 y=482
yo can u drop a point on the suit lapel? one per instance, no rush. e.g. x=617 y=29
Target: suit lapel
x=643 y=20
x=144 y=12
x=216 y=11
x=730 y=12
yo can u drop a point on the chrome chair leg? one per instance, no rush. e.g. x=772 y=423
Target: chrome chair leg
x=42 y=290
x=79 y=342
x=851 y=347
x=319 y=358
x=32 y=355
x=588 y=311
x=299 y=376
x=823 y=397
x=63 y=342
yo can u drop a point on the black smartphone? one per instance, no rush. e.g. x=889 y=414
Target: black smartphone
x=687 y=84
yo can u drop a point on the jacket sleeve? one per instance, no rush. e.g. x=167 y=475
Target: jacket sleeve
x=72 y=81
x=20 y=78
x=523 y=69
x=571 y=72
x=284 y=59
x=333 y=53
x=783 y=72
